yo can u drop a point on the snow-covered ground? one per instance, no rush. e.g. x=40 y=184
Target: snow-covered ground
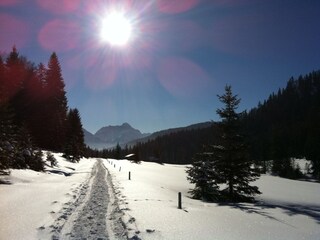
x=65 y=202
x=32 y=200
x=68 y=201
x=287 y=209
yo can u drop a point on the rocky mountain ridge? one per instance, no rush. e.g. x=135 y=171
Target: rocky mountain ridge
x=110 y=136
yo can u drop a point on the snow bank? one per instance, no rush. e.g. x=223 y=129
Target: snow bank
x=287 y=209
x=32 y=199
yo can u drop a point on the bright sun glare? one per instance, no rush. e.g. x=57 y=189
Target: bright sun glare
x=116 y=29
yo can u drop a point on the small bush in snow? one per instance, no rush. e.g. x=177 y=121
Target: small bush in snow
x=51 y=159
x=35 y=161
x=201 y=174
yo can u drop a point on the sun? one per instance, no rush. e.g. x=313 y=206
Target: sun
x=116 y=29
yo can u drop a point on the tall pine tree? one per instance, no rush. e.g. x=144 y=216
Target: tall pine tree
x=56 y=106
x=37 y=111
x=226 y=162
x=74 y=147
x=14 y=74
x=230 y=155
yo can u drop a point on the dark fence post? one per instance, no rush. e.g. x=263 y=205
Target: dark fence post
x=129 y=175
x=179 y=201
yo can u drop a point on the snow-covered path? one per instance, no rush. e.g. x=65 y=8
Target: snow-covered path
x=86 y=218
x=91 y=220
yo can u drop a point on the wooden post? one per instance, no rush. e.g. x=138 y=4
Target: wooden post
x=129 y=175
x=120 y=169
x=179 y=201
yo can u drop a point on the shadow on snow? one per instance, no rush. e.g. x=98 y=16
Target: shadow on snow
x=261 y=208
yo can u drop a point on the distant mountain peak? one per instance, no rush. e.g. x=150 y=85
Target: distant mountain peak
x=109 y=136
x=126 y=125
x=122 y=126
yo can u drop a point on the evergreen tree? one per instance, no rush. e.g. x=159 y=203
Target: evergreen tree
x=7 y=138
x=225 y=162
x=202 y=174
x=74 y=136
x=14 y=75
x=117 y=152
x=230 y=155
x=137 y=155
x=26 y=154
x=2 y=81
x=55 y=106
x=35 y=119
x=16 y=147
x=41 y=73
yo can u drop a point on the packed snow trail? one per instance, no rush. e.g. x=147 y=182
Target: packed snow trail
x=91 y=221
x=87 y=218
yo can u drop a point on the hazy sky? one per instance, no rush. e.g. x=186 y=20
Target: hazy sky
x=180 y=56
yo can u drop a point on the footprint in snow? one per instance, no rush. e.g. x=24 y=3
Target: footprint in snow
x=125 y=209
x=132 y=220
x=41 y=228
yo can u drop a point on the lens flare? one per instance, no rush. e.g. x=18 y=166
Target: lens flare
x=59 y=35
x=182 y=77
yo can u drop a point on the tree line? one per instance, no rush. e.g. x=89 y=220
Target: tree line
x=287 y=125
x=176 y=147
x=34 y=114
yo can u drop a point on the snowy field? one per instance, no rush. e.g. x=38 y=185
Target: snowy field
x=287 y=209
x=37 y=205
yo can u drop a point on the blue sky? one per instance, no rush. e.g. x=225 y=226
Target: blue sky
x=181 y=56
